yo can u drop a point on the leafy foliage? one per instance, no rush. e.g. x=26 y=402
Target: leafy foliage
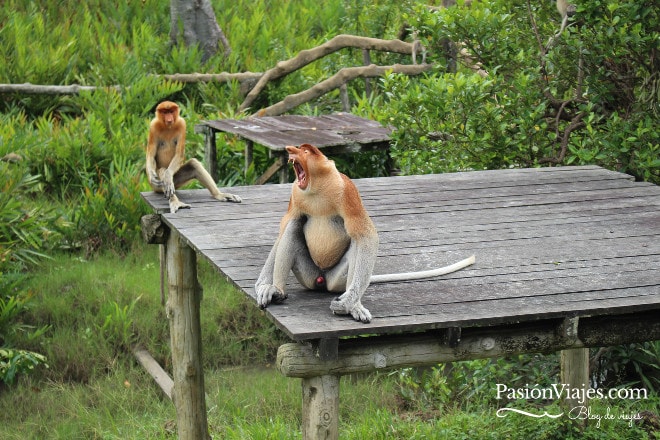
x=471 y=383
x=13 y=303
x=587 y=96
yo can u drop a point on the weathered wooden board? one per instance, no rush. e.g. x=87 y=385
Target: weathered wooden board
x=337 y=130
x=549 y=243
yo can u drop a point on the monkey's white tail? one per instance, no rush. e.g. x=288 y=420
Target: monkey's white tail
x=406 y=276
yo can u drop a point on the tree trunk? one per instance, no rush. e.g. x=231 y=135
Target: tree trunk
x=196 y=20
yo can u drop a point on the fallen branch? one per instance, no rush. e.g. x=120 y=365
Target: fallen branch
x=33 y=89
x=305 y=57
x=74 y=89
x=343 y=76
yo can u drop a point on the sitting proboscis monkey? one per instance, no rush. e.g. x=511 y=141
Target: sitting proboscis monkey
x=166 y=165
x=327 y=239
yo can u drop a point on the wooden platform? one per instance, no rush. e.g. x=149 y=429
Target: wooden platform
x=341 y=130
x=549 y=243
x=337 y=133
x=566 y=258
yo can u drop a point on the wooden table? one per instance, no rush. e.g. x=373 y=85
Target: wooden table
x=566 y=258
x=334 y=134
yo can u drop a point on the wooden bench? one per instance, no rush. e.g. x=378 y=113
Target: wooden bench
x=338 y=133
x=566 y=258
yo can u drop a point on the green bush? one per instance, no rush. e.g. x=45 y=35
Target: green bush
x=588 y=97
x=26 y=234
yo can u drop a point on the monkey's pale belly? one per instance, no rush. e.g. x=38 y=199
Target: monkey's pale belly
x=326 y=240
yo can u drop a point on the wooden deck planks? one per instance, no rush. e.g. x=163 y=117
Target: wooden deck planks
x=337 y=130
x=549 y=242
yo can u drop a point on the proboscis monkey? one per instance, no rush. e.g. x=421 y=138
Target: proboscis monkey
x=566 y=10
x=166 y=165
x=327 y=239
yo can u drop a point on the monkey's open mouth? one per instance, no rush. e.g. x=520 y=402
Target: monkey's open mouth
x=300 y=175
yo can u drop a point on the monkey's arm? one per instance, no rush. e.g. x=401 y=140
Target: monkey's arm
x=361 y=254
x=150 y=163
x=361 y=257
x=270 y=286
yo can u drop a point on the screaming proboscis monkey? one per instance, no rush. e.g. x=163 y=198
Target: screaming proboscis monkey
x=166 y=165
x=327 y=239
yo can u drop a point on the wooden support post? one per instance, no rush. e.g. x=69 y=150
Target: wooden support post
x=249 y=154
x=160 y=376
x=182 y=309
x=284 y=170
x=320 y=412
x=366 y=61
x=210 y=151
x=275 y=167
x=343 y=96
x=575 y=373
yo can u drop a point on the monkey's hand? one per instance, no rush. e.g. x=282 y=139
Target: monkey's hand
x=167 y=182
x=267 y=293
x=349 y=303
x=155 y=181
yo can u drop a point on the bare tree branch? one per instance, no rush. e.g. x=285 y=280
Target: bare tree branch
x=34 y=89
x=342 y=77
x=210 y=77
x=575 y=123
x=305 y=57
x=74 y=89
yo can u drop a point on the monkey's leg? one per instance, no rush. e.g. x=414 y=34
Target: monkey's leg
x=194 y=169
x=176 y=204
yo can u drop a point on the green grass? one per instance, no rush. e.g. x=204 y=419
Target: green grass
x=95 y=389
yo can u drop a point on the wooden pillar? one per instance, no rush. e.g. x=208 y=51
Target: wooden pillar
x=320 y=412
x=575 y=372
x=343 y=96
x=210 y=150
x=284 y=170
x=182 y=309
x=366 y=61
x=249 y=155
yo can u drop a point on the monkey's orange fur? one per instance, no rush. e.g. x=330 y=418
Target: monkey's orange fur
x=165 y=157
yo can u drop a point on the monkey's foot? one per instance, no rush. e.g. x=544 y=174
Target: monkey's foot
x=175 y=205
x=267 y=293
x=345 y=305
x=226 y=197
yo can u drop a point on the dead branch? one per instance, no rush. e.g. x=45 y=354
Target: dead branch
x=342 y=77
x=34 y=89
x=74 y=89
x=210 y=77
x=305 y=57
